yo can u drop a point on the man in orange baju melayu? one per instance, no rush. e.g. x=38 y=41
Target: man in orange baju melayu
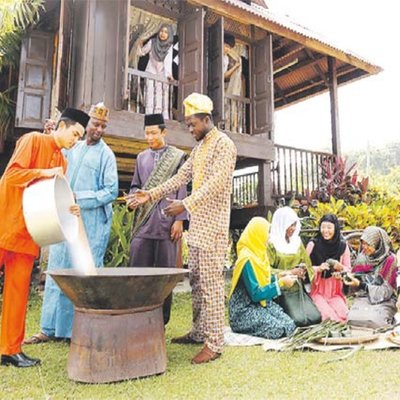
x=36 y=156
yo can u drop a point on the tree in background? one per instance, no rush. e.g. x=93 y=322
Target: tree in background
x=381 y=165
x=388 y=184
x=15 y=17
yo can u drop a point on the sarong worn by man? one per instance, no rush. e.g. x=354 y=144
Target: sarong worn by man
x=155 y=235
x=210 y=167
x=36 y=156
x=93 y=177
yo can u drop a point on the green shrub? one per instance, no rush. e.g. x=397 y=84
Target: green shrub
x=117 y=253
x=381 y=211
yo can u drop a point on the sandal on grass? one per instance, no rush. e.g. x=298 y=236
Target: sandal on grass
x=38 y=338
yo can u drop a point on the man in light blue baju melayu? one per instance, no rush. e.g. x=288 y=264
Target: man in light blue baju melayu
x=92 y=173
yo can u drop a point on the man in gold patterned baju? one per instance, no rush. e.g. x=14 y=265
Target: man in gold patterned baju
x=210 y=167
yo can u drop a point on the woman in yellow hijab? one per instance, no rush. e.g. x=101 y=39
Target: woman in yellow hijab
x=251 y=307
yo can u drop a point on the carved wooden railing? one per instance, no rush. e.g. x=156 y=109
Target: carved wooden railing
x=296 y=171
x=237 y=108
x=136 y=101
x=237 y=112
x=245 y=190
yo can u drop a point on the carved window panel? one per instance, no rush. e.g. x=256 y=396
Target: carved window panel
x=32 y=108
x=191 y=34
x=262 y=96
x=35 y=76
x=37 y=48
x=34 y=85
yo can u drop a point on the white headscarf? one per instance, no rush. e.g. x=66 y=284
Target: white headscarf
x=281 y=220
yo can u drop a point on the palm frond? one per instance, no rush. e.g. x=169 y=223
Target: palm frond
x=16 y=16
x=7 y=110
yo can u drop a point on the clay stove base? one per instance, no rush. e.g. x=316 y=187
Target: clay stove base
x=109 y=347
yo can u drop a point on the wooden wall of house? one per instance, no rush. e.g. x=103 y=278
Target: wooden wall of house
x=98 y=65
x=99 y=56
x=99 y=73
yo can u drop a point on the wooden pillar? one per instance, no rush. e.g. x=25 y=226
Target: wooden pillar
x=264 y=183
x=333 y=95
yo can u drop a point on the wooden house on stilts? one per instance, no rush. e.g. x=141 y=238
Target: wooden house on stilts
x=85 y=51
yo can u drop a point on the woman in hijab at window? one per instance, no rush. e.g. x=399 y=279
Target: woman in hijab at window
x=160 y=50
x=329 y=255
x=251 y=307
x=375 y=272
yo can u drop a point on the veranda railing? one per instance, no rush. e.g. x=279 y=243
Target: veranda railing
x=245 y=189
x=142 y=84
x=296 y=170
x=237 y=114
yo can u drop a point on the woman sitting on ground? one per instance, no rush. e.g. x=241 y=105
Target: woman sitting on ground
x=374 y=279
x=251 y=307
x=286 y=252
x=330 y=256
x=287 y=255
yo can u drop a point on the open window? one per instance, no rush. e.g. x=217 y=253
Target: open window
x=229 y=79
x=159 y=80
x=153 y=64
x=236 y=85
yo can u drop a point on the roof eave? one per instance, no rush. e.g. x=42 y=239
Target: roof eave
x=247 y=18
x=280 y=105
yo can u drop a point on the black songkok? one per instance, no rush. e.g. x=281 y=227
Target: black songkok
x=153 y=119
x=76 y=115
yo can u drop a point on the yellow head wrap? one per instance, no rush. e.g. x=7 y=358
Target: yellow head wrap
x=252 y=246
x=197 y=103
x=99 y=111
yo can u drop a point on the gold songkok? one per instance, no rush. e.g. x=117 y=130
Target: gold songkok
x=197 y=103
x=99 y=111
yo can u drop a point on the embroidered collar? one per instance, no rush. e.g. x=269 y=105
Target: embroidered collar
x=210 y=134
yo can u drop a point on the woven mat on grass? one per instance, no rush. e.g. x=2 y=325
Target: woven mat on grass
x=381 y=343
x=237 y=339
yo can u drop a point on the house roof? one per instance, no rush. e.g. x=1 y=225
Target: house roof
x=300 y=55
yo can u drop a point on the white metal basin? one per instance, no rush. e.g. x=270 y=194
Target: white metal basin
x=46 y=206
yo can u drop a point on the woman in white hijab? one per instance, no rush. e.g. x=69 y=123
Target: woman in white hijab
x=286 y=252
x=287 y=256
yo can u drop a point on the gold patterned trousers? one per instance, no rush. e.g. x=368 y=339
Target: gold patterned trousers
x=207 y=282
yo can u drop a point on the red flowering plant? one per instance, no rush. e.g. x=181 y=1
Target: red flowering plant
x=340 y=182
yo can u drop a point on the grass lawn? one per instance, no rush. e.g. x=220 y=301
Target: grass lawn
x=241 y=373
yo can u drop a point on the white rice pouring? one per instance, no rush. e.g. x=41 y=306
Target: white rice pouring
x=81 y=255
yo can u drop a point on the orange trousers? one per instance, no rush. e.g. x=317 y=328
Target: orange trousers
x=18 y=269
